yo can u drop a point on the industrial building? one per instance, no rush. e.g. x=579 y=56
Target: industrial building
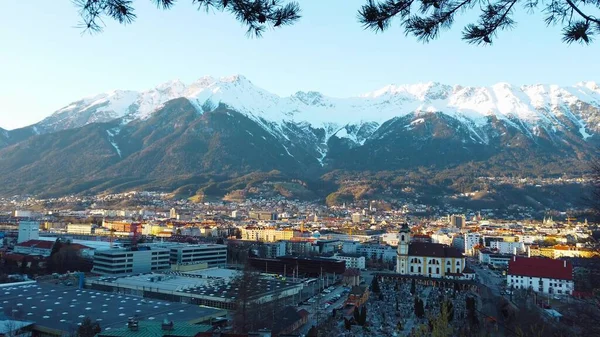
x=300 y=266
x=56 y=310
x=209 y=287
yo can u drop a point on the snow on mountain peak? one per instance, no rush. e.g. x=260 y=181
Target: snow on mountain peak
x=531 y=104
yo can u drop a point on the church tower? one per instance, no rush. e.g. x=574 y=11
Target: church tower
x=402 y=255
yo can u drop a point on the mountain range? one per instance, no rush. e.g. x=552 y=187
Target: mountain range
x=191 y=138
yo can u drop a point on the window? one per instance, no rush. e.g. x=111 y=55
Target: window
x=437 y=270
x=458 y=270
x=447 y=270
x=429 y=270
x=419 y=269
x=412 y=269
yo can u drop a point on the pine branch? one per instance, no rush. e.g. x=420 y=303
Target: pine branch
x=377 y=16
x=494 y=17
x=428 y=28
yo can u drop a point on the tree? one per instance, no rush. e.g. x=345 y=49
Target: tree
x=245 y=316
x=363 y=315
x=423 y=19
x=375 y=286
x=413 y=287
x=419 y=308
x=356 y=315
x=312 y=332
x=88 y=328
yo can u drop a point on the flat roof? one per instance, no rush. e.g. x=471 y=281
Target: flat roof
x=209 y=285
x=63 y=307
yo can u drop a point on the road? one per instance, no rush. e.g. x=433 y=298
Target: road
x=489 y=278
x=489 y=294
x=317 y=308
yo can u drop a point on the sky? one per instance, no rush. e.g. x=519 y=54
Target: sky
x=46 y=61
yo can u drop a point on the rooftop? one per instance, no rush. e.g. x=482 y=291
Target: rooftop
x=541 y=267
x=432 y=250
x=154 y=329
x=62 y=307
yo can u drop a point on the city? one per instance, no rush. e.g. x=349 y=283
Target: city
x=309 y=268
x=281 y=168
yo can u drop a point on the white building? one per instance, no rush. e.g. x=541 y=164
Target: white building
x=352 y=260
x=212 y=254
x=79 y=228
x=471 y=240
x=504 y=247
x=377 y=252
x=28 y=230
x=542 y=275
x=390 y=239
x=124 y=261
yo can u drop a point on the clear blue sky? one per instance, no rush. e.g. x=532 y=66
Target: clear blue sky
x=46 y=62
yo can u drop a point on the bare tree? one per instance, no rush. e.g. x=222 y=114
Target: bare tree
x=423 y=19
x=246 y=313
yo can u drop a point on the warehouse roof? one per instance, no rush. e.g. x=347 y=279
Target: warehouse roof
x=62 y=307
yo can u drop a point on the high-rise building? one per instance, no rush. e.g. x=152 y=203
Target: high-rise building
x=28 y=230
x=173 y=213
x=457 y=221
x=471 y=240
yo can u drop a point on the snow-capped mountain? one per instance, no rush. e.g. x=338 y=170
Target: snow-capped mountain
x=191 y=136
x=530 y=107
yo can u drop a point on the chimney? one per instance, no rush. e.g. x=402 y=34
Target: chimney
x=167 y=325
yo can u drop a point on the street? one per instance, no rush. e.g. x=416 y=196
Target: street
x=317 y=308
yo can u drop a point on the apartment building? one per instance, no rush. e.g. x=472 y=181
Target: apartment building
x=79 y=228
x=122 y=261
x=471 y=240
x=266 y=234
x=354 y=261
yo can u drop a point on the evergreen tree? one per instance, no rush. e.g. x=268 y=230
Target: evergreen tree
x=413 y=287
x=363 y=315
x=375 y=286
x=356 y=315
x=423 y=19
x=312 y=332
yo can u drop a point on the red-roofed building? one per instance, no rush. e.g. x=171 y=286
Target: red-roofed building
x=34 y=247
x=542 y=275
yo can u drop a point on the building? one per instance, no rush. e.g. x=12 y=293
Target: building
x=212 y=254
x=457 y=221
x=173 y=213
x=262 y=216
x=542 y=275
x=471 y=241
x=35 y=247
x=126 y=260
x=357 y=218
x=494 y=259
x=272 y=249
x=390 y=239
x=354 y=261
x=160 y=328
x=301 y=266
x=28 y=230
x=266 y=234
x=507 y=247
x=427 y=259
x=209 y=287
x=377 y=252
x=56 y=309
x=351 y=278
x=358 y=295
x=298 y=247
x=79 y=228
